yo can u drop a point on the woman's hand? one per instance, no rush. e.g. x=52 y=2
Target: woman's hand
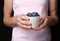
x=22 y=21
x=43 y=23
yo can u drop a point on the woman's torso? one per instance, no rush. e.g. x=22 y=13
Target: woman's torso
x=23 y=7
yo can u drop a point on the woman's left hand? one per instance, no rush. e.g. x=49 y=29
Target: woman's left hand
x=43 y=23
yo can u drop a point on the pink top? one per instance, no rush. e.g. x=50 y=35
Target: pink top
x=23 y=7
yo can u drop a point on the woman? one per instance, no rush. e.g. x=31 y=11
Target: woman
x=22 y=29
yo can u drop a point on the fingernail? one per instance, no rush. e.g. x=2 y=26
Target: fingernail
x=28 y=19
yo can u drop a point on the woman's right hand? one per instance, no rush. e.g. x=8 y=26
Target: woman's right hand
x=22 y=21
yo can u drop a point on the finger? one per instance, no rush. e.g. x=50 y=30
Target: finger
x=24 y=17
x=23 y=22
x=42 y=26
x=41 y=20
x=23 y=26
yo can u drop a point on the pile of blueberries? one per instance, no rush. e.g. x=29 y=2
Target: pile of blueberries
x=33 y=14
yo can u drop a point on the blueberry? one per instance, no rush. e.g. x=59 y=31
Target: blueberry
x=29 y=14
x=33 y=14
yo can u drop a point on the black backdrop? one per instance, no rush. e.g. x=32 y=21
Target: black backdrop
x=5 y=32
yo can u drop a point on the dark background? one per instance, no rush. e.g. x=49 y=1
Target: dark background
x=5 y=32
